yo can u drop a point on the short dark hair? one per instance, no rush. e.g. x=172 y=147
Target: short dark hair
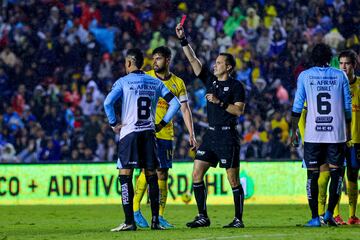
x=163 y=51
x=351 y=54
x=137 y=55
x=321 y=54
x=230 y=60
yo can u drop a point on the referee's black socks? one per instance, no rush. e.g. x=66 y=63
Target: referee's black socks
x=238 y=193
x=200 y=196
x=127 y=196
x=154 y=195
x=336 y=176
x=312 y=189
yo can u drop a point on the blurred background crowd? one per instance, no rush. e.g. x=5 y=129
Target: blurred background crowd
x=58 y=60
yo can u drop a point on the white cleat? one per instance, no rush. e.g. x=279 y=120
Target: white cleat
x=124 y=227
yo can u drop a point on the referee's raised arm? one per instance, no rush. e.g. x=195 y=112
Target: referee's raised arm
x=189 y=52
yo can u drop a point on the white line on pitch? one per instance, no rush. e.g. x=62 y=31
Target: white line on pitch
x=248 y=236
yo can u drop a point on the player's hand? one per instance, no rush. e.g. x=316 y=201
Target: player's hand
x=294 y=140
x=212 y=98
x=193 y=143
x=117 y=128
x=158 y=127
x=180 y=31
x=349 y=144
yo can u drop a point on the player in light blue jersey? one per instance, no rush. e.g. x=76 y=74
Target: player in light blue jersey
x=327 y=93
x=139 y=94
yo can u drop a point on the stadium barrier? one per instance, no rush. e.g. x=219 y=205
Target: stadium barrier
x=96 y=183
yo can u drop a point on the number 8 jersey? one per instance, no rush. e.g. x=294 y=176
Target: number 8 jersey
x=327 y=93
x=139 y=94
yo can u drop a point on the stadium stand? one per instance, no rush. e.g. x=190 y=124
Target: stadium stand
x=59 y=58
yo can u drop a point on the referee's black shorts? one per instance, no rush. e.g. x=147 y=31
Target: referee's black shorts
x=220 y=145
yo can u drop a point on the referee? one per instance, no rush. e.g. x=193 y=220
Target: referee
x=221 y=143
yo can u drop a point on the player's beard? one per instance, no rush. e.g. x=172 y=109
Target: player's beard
x=160 y=69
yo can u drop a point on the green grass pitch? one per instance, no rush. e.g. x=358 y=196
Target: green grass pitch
x=95 y=221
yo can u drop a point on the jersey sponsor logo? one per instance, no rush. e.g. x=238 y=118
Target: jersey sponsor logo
x=147 y=92
x=200 y=153
x=324 y=119
x=324 y=128
x=323 y=83
x=226 y=89
x=142 y=123
x=223 y=160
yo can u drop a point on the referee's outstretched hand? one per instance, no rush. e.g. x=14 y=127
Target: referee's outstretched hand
x=180 y=31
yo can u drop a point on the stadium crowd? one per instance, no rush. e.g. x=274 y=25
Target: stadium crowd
x=59 y=58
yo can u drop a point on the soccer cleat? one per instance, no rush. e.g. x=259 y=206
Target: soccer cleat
x=199 y=221
x=140 y=220
x=164 y=223
x=339 y=220
x=315 y=222
x=124 y=227
x=156 y=226
x=236 y=223
x=329 y=220
x=353 y=221
x=321 y=218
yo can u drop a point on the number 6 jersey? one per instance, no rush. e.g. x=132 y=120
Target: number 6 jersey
x=327 y=93
x=139 y=94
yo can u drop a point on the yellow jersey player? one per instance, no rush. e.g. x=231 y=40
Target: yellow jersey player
x=347 y=61
x=161 y=62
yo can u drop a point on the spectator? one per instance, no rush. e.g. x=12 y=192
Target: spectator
x=51 y=62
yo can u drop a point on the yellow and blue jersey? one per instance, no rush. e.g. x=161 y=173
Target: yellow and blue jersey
x=177 y=86
x=302 y=123
x=355 y=121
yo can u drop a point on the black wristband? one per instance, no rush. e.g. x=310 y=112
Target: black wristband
x=184 y=42
x=163 y=123
x=113 y=124
x=295 y=114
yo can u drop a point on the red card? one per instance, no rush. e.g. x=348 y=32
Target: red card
x=182 y=20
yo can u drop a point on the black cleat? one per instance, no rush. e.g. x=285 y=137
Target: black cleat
x=199 y=221
x=236 y=223
x=331 y=222
x=329 y=219
x=156 y=226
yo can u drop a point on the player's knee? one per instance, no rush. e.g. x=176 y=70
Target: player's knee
x=234 y=183
x=162 y=174
x=324 y=167
x=234 y=180
x=149 y=172
x=197 y=176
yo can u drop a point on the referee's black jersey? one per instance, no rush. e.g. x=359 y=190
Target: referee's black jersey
x=229 y=91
